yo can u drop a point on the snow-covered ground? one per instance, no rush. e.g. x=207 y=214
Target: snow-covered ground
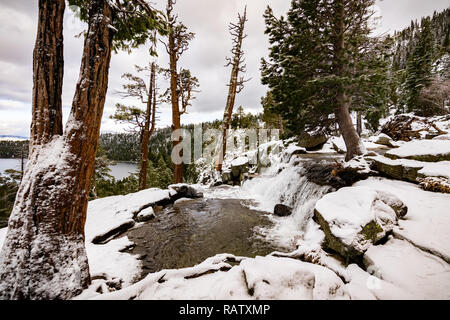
x=413 y=263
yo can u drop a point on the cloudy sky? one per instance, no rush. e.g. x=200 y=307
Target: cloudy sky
x=208 y=19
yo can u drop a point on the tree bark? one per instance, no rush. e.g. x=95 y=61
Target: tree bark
x=232 y=87
x=44 y=255
x=352 y=141
x=176 y=122
x=147 y=132
x=359 y=123
x=48 y=70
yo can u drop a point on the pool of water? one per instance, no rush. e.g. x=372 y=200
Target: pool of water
x=188 y=233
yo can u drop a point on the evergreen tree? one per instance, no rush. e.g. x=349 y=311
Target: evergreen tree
x=419 y=67
x=318 y=65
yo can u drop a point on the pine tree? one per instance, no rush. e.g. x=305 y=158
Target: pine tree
x=317 y=64
x=142 y=121
x=180 y=80
x=419 y=67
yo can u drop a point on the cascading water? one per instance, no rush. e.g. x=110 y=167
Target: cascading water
x=285 y=182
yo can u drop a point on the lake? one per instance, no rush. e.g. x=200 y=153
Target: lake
x=119 y=171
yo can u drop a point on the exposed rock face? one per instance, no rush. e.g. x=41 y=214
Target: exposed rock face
x=237 y=172
x=355 y=218
x=400 y=170
x=282 y=210
x=313 y=141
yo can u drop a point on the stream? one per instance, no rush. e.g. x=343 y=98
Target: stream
x=189 y=232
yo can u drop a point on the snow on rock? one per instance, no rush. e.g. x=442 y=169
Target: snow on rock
x=383 y=139
x=254 y=278
x=145 y=215
x=241 y=161
x=436 y=169
x=109 y=260
x=442 y=137
x=183 y=190
x=428 y=219
x=354 y=218
x=107 y=214
x=423 y=275
x=365 y=286
x=422 y=150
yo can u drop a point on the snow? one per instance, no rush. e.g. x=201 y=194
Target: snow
x=107 y=259
x=350 y=209
x=427 y=222
x=436 y=169
x=423 y=275
x=442 y=137
x=421 y=148
x=254 y=278
x=146 y=214
x=364 y=286
x=109 y=213
x=239 y=162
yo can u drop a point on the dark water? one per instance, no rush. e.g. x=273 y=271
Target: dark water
x=190 y=232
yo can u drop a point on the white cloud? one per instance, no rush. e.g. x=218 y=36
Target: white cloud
x=205 y=57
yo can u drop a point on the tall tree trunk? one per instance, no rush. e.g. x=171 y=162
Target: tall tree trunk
x=236 y=30
x=352 y=141
x=146 y=132
x=44 y=255
x=359 y=123
x=280 y=124
x=176 y=122
x=227 y=115
x=48 y=70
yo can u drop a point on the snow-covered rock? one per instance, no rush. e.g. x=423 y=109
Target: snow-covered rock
x=366 y=286
x=254 y=278
x=422 y=150
x=442 y=137
x=354 y=218
x=145 y=215
x=427 y=222
x=423 y=275
x=183 y=190
x=383 y=139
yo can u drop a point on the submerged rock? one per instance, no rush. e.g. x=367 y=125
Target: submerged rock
x=282 y=210
x=354 y=218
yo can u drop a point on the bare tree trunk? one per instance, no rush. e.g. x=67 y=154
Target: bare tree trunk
x=176 y=122
x=352 y=141
x=227 y=115
x=280 y=124
x=44 y=255
x=237 y=31
x=359 y=123
x=146 y=132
